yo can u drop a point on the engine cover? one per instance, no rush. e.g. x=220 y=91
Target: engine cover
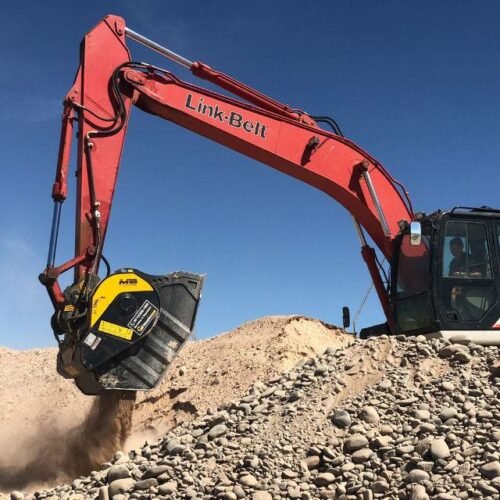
x=137 y=324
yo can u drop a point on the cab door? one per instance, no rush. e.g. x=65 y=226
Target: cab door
x=468 y=284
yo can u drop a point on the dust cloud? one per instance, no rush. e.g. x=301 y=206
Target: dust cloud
x=51 y=452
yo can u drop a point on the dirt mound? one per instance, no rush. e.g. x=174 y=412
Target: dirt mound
x=37 y=403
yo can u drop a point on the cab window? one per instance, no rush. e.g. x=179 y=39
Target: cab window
x=468 y=291
x=465 y=251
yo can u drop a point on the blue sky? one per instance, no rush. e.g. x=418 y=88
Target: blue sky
x=415 y=83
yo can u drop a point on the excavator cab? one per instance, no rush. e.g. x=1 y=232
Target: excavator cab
x=445 y=278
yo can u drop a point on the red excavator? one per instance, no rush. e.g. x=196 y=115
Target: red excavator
x=121 y=332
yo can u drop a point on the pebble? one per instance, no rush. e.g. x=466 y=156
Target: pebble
x=324 y=479
x=167 y=488
x=362 y=455
x=248 y=480
x=217 y=431
x=145 y=484
x=156 y=471
x=439 y=449
x=380 y=486
x=369 y=414
x=174 y=447
x=342 y=419
x=491 y=470
x=261 y=495
x=355 y=442
x=448 y=413
x=418 y=476
x=120 y=486
x=117 y=472
x=418 y=492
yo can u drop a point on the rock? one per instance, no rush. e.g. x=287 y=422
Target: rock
x=155 y=471
x=369 y=414
x=239 y=491
x=439 y=449
x=451 y=350
x=117 y=472
x=380 y=486
x=217 y=431
x=448 y=413
x=381 y=441
x=167 y=488
x=384 y=384
x=120 y=486
x=422 y=414
x=261 y=495
x=448 y=386
x=361 y=456
x=321 y=370
x=17 y=495
x=324 y=479
x=312 y=462
x=463 y=357
x=355 y=442
x=418 y=476
x=486 y=488
x=418 y=492
x=491 y=470
x=145 y=484
x=342 y=419
x=248 y=480
x=103 y=493
x=353 y=370
x=173 y=447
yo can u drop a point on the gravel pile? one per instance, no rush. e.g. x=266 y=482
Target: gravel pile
x=383 y=418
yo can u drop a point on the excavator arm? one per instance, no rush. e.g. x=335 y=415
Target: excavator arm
x=108 y=83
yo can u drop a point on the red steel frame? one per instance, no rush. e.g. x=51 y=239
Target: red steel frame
x=274 y=134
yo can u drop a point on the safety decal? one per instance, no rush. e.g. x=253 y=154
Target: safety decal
x=143 y=317
x=92 y=341
x=116 y=330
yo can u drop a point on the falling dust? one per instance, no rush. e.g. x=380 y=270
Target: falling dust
x=52 y=453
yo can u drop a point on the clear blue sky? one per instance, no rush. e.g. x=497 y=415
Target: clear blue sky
x=415 y=83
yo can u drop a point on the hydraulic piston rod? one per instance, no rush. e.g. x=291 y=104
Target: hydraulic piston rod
x=371 y=188
x=158 y=48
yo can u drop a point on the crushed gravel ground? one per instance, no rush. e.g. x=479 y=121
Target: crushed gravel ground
x=385 y=418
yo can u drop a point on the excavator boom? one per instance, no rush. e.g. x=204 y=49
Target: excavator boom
x=105 y=346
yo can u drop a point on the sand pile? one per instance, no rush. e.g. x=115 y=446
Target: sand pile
x=43 y=417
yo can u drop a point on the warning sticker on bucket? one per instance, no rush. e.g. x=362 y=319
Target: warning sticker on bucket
x=143 y=317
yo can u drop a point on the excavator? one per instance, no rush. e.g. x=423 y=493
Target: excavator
x=122 y=331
